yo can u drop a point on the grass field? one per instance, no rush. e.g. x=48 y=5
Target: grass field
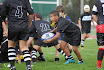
x=89 y=55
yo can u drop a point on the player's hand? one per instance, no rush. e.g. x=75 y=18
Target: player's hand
x=47 y=41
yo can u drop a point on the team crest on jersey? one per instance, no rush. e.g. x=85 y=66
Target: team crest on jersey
x=44 y=27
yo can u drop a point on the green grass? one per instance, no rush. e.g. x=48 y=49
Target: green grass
x=89 y=55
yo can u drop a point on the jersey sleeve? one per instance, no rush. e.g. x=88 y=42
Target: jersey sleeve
x=29 y=8
x=95 y=9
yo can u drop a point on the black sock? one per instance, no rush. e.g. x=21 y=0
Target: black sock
x=27 y=58
x=41 y=54
x=11 y=56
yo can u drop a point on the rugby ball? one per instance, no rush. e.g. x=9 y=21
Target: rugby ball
x=47 y=36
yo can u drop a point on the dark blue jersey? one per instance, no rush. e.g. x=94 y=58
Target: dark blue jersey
x=98 y=9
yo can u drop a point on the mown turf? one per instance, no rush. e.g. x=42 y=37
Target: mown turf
x=89 y=55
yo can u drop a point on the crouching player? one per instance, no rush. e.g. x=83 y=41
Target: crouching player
x=72 y=36
x=43 y=27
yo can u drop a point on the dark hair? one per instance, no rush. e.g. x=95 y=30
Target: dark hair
x=60 y=8
x=55 y=13
x=38 y=15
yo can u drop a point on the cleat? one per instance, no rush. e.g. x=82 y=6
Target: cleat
x=98 y=67
x=80 y=63
x=33 y=60
x=82 y=47
x=13 y=68
x=69 y=61
x=29 y=67
x=40 y=58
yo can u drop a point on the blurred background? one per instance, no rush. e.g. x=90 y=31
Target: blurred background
x=73 y=8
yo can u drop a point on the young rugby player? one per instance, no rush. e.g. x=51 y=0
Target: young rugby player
x=85 y=24
x=61 y=11
x=41 y=27
x=72 y=35
x=33 y=37
x=18 y=28
x=98 y=9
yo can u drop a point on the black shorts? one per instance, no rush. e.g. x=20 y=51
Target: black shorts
x=86 y=30
x=100 y=39
x=40 y=43
x=34 y=35
x=1 y=37
x=73 y=40
x=16 y=34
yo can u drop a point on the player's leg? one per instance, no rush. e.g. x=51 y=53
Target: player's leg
x=100 y=41
x=26 y=54
x=11 y=54
x=29 y=42
x=57 y=53
x=87 y=35
x=18 y=52
x=69 y=47
x=66 y=51
x=34 y=52
x=76 y=51
x=41 y=57
x=83 y=40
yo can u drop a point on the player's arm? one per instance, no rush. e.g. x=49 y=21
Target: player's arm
x=5 y=28
x=54 y=30
x=30 y=19
x=95 y=18
x=53 y=39
x=31 y=12
x=94 y=13
x=93 y=23
x=79 y=22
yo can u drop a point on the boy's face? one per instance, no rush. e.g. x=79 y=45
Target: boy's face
x=86 y=10
x=61 y=14
x=53 y=18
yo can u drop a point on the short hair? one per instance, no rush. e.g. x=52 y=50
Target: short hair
x=55 y=13
x=60 y=8
x=38 y=15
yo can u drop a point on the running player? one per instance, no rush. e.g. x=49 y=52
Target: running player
x=85 y=24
